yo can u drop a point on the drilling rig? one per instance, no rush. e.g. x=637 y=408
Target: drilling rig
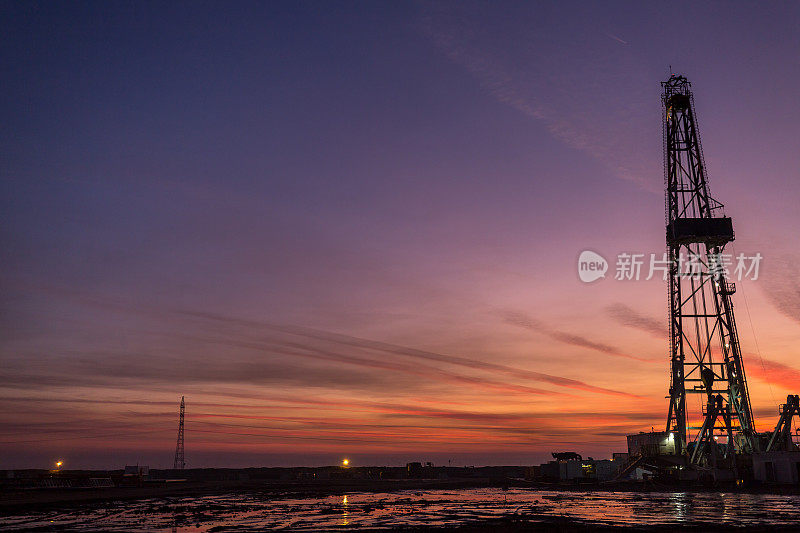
x=710 y=424
x=706 y=361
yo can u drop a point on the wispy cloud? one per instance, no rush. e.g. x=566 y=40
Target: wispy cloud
x=260 y=353
x=522 y=320
x=626 y=316
x=384 y=423
x=356 y=342
x=781 y=284
x=523 y=66
x=775 y=373
x=281 y=387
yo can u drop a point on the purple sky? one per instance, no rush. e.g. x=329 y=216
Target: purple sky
x=351 y=229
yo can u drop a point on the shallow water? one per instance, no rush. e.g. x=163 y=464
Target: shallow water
x=419 y=508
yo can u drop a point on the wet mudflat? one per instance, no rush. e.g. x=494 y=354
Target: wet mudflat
x=467 y=509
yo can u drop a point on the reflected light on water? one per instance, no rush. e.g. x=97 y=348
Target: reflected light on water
x=409 y=509
x=678 y=500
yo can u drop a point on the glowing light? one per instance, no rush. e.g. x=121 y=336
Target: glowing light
x=58 y=464
x=345 y=462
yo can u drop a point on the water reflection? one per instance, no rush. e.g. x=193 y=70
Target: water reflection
x=345 y=521
x=678 y=500
x=408 y=509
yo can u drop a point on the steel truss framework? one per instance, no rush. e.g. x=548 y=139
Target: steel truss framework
x=180 y=463
x=781 y=438
x=708 y=397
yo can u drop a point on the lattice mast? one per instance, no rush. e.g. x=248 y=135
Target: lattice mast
x=180 y=463
x=709 y=406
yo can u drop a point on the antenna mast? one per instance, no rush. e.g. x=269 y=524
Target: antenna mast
x=179 y=458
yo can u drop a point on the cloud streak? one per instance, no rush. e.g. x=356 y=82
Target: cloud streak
x=527 y=81
x=356 y=342
x=782 y=286
x=522 y=320
x=628 y=317
x=775 y=373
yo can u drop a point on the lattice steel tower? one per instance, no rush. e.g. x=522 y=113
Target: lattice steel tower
x=710 y=417
x=179 y=458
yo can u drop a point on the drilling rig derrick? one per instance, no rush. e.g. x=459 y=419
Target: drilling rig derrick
x=710 y=416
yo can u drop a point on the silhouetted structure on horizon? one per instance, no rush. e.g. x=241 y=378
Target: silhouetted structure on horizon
x=713 y=439
x=179 y=457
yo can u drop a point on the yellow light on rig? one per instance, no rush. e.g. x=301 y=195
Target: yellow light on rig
x=58 y=464
x=345 y=462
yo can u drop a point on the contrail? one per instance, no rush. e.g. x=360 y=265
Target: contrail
x=611 y=35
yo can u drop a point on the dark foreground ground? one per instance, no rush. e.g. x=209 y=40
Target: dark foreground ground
x=460 y=505
x=14 y=501
x=569 y=526
x=469 y=500
x=17 y=500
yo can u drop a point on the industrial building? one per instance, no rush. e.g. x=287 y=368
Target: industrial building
x=777 y=467
x=572 y=467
